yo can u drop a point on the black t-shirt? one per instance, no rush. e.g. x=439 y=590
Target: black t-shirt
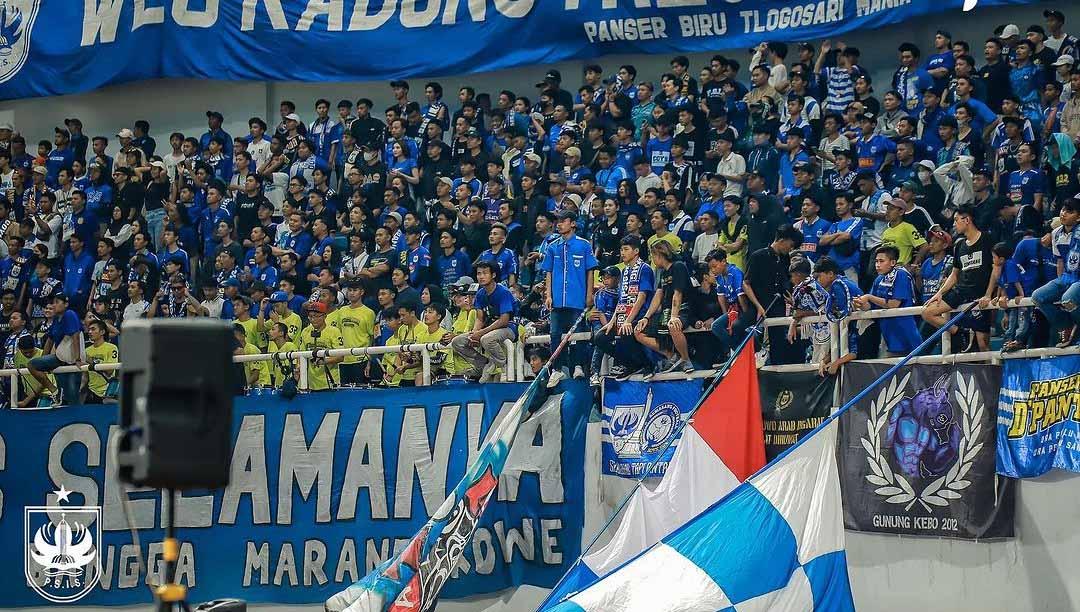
x=156 y=195
x=713 y=95
x=476 y=239
x=767 y=275
x=974 y=264
x=675 y=278
x=381 y=257
x=247 y=213
x=369 y=131
x=920 y=219
x=996 y=78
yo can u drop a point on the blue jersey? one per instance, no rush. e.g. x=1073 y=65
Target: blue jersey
x=846 y=254
x=324 y=134
x=659 y=154
x=637 y=279
x=417 y=261
x=944 y=60
x=452 y=267
x=729 y=285
x=504 y=259
x=871 y=152
x=498 y=303
x=933 y=274
x=1024 y=184
x=608 y=179
x=605 y=301
x=569 y=262
x=627 y=155
x=1071 y=257
x=812 y=233
x=1010 y=276
x=901 y=334
x=1028 y=257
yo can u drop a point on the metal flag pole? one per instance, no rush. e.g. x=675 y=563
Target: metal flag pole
x=720 y=374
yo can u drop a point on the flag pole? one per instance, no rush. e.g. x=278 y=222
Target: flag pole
x=720 y=374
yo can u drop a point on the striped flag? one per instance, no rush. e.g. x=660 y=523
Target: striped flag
x=775 y=543
x=721 y=446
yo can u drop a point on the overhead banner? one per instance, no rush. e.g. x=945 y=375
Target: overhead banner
x=641 y=424
x=1039 y=424
x=792 y=405
x=917 y=455
x=68 y=46
x=323 y=489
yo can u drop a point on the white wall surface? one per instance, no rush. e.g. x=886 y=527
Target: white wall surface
x=1034 y=572
x=181 y=104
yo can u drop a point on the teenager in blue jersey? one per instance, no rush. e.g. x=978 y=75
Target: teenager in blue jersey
x=729 y=279
x=483 y=348
x=306 y=162
x=636 y=287
x=417 y=257
x=812 y=226
x=325 y=133
x=504 y=258
x=893 y=288
x=940 y=65
x=609 y=174
x=214 y=120
x=627 y=151
x=1011 y=288
x=937 y=266
x=1027 y=185
x=1059 y=298
x=658 y=149
x=569 y=263
x=451 y=263
x=873 y=150
x=843 y=239
x=842 y=293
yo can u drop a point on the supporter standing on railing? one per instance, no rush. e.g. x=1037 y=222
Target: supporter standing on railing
x=570 y=264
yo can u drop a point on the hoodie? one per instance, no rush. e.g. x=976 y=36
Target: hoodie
x=1062 y=169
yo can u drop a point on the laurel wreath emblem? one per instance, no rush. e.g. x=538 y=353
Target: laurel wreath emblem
x=938 y=493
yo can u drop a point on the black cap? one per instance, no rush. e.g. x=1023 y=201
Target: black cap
x=948 y=121
x=566 y=214
x=552 y=76
x=1056 y=14
x=473 y=132
x=1011 y=119
x=63 y=131
x=803 y=167
x=871 y=117
x=211 y=113
x=612 y=271
x=1038 y=29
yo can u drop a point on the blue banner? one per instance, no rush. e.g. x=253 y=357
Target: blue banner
x=640 y=419
x=81 y=45
x=1039 y=417
x=324 y=488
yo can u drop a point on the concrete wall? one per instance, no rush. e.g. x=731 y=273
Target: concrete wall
x=181 y=105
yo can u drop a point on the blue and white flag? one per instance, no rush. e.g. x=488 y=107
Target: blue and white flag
x=640 y=424
x=1038 y=426
x=775 y=543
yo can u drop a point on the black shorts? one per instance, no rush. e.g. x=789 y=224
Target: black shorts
x=975 y=320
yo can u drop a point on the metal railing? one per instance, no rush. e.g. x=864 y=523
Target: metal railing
x=516 y=363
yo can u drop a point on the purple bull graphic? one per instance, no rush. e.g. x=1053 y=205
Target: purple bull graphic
x=923 y=432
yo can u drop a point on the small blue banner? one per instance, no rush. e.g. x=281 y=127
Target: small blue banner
x=67 y=46
x=642 y=424
x=1039 y=417
x=324 y=488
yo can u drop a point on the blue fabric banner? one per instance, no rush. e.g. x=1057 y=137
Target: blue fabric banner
x=324 y=488
x=1039 y=417
x=639 y=420
x=81 y=45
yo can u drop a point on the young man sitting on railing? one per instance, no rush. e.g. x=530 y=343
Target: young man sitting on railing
x=893 y=288
x=973 y=277
x=483 y=347
x=1066 y=287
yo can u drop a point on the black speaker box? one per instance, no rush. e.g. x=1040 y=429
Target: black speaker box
x=176 y=394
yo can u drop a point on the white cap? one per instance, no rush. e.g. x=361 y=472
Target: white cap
x=534 y=157
x=1064 y=60
x=7 y=126
x=1010 y=30
x=292 y=117
x=575 y=198
x=158 y=164
x=125 y=133
x=926 y=163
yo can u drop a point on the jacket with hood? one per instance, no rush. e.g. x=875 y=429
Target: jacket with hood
x=1062 y=170
x=762 y=225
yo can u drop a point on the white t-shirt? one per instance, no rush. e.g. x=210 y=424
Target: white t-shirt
x=732 y=165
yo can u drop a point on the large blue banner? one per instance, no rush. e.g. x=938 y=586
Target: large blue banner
x=641 y=423
x=1039 y=417
x=323 y=489
x=50 y=47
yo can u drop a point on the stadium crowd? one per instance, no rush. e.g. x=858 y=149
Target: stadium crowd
x=789 y=183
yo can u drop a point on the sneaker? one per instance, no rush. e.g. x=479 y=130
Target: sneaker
x=617 y=371
x=490 y=373
x=594 y=380
x=628 y=372
x=675 y=364
x=579 y=372
x=556 y=377
x=688 y=366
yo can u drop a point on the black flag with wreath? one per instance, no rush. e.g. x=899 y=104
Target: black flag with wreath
x=917 y=454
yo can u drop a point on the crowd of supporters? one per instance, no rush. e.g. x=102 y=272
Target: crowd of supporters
x=784 y=183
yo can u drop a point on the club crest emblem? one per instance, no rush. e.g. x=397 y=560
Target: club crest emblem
x=62 y=563
x=16 y=23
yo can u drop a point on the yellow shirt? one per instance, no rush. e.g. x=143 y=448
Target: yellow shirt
x=252 y=334
x=329 y=338
x=30 y=384
x=357 y=327
x=281 y=368
x=464 y=322
x=904 y=237
x=97 y=382
x=403 y=336
x=738 y=257
x=262 y=367
x=425 y=336
x=670 y=238
x=291 y=321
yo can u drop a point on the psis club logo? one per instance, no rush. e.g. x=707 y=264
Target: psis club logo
x=62 y=560
x=16 y=22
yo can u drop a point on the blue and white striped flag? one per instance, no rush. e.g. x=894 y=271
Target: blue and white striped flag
x=775 y=543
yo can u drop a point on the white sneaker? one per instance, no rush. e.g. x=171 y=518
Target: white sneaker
x=489 y=374
x=579 y=372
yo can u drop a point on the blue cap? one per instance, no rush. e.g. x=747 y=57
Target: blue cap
x=279 y=296
x=230 y=282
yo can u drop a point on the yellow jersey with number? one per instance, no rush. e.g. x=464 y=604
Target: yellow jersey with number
x=328 y=338
x=262 y=367
x=97 y=382
x=357 y=327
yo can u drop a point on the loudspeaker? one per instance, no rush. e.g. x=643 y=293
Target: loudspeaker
x=176 y=394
